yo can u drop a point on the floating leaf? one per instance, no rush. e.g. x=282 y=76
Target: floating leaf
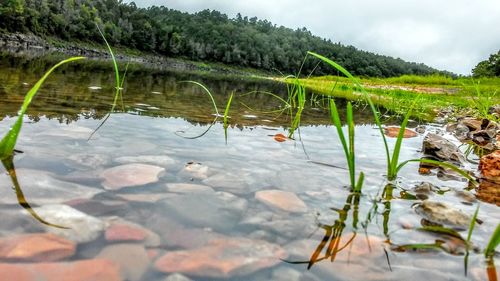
x=280 y=138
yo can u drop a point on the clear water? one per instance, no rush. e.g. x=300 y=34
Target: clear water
x=159 y=115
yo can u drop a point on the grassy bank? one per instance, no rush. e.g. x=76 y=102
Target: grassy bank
x=397 y=94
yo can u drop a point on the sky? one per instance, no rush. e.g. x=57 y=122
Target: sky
x=451 y=35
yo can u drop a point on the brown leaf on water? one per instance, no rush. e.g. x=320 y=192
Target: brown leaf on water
x=280 y=138
x=393 y=132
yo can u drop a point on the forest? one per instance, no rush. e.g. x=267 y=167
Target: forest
x=489 y=67
x=208 y=36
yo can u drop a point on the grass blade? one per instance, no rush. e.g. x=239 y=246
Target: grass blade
x=493 y=244
x=8 y=142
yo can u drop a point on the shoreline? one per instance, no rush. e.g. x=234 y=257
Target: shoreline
x=29 y=45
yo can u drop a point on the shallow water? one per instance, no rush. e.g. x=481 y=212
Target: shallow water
x=222 y=226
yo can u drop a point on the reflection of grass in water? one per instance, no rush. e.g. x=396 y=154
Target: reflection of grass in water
x=226 y=116
x=118 y=83
x=8 y=143
x=8 y=163
x=330 y=244
x=214 y=104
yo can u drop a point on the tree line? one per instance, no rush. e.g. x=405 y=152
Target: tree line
x=489 y=67
x=203 y=36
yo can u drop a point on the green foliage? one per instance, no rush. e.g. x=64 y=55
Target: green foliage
x=493 y=244
x=347 y=145
x=206 y=35
x=8 y=142
x=489 y=67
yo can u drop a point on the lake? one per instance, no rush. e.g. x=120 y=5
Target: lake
x=158 y=191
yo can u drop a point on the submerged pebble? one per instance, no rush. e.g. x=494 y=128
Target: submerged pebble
x=443 y=214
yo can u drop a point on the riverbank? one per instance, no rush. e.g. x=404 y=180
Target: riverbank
x=29 y=45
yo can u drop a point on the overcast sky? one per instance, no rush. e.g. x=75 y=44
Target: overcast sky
x=450 y=35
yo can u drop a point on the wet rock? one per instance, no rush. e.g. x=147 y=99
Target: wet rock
x=236 y=184
x=97 y=207
x=467 y=196
x=393 y=132
x=425 y=187
x=89 y=160
x=86 y=270
x=158 y=160
x=121 y=230
x=282 y=200
x=223 y=258
x=82 y=227
x=441 y=148
x=145 y=197
x=219 y=210
x=443 y=214
x=130 y=175
x=488 y=192
x=177 y=277
x=41 y=188
x=132 y=259
x=188 y=188
x=37 y=247
x=194 y=170
x=489 y=166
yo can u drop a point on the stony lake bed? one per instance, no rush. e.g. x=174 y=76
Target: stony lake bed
x=144 y=200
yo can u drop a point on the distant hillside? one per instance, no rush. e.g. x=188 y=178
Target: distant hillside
x=204 y=36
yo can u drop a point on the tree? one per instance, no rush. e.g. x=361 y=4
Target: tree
x=488 y=68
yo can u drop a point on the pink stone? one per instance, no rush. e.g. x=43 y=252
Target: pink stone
x=38 y=247
x=86 y=270
x=124 y=232
x=223 y=258
x=283 y=200
x=130 y=175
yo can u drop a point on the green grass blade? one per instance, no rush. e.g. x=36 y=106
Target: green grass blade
x=8 y=142
x=367 y=97
x=350 y=134
x=441 y=164
x=392 y=173
x=115 y=64
x=334 y=115
x=359 y=184
x=226 y=112
x=493 y=244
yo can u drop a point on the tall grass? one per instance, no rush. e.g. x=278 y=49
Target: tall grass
x=347 y=144
x=118 y=82
x=226 y=116
x=393 y=165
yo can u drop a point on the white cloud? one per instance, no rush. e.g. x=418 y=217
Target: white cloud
x=446 y=34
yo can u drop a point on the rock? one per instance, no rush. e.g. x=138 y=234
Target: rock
x=194 y=170
x=86 y=270
x=188 y=188
x=40 y=187
x=177 y=277
x=443 y=214
x=489 y=166
x=158 y=160
x=130 y=175
x=223 y=258
x=424 y=187
x=393 y=132
x=232 y=183
x=282 y=200
x=82 y=227
x=97 y=207
x=441 y=148
x=145 y=197
x=219 y=210
x=467 y=196
x=37 y=247
x=132 y=259
x=121 y=230
x=488 y=192
x=89 y=160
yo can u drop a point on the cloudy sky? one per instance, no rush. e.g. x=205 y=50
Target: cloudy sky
x=451 y=35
